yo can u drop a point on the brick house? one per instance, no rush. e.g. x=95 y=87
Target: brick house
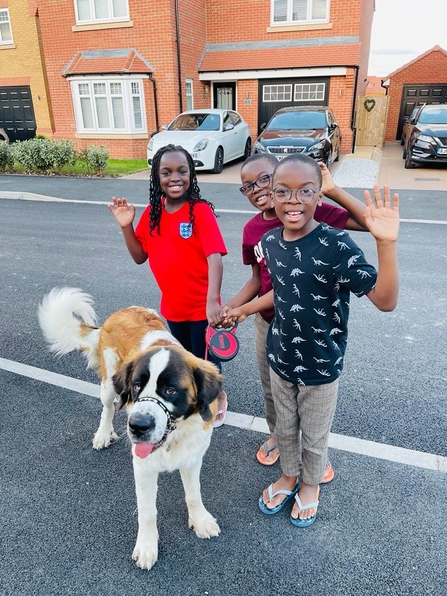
x=23 y=84
x=423 y=80
x=119 y=69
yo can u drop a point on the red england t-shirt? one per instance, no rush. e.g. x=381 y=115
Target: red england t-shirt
x=178 y=258
x=257 y=226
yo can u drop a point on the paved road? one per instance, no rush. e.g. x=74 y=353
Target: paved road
x=68 y=512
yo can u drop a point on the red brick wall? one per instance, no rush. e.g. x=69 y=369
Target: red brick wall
x=200 y=21
x=430 y=69
x=152 y=35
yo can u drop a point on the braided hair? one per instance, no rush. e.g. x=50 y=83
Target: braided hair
x=156 y=194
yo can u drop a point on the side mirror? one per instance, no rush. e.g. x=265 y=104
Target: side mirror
x=164 y=126
x=263 y=125
x=228 y=126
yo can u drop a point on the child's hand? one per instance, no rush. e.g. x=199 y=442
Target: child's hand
x=123 y=212
x=214 y=313
x=382 y=219
x=328 y=184
x=234 y=314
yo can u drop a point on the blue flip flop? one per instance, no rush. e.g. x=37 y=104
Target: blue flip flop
x=304 y=523
x=289 y=495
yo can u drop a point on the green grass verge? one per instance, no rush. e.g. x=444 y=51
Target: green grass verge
x=115 y=167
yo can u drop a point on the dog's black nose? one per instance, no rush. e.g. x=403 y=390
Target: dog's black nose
x=140 y=426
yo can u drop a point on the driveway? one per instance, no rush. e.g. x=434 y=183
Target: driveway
x=360 y=169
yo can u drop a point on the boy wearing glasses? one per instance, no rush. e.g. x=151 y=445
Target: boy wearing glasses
x=313 y=269
x=256 y=177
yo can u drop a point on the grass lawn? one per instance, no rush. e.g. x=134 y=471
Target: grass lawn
x=115 y=167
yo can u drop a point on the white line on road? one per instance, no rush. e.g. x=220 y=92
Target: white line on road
x=408 y=457
x=24 y=196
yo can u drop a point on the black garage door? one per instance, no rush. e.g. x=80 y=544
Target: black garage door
x=17 y=113
x=285 y=93
x=416 y=95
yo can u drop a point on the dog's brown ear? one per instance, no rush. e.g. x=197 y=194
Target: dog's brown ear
x=122 y=383
x=209 y=384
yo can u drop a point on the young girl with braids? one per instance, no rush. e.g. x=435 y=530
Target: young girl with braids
x=179 y=236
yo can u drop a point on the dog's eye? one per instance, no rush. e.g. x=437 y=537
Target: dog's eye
x=136 y=387
x=171 y=391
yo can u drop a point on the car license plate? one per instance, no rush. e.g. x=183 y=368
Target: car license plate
x=442 y=151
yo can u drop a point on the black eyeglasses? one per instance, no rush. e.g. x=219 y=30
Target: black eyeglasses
x=261 y=182
x=303 y=195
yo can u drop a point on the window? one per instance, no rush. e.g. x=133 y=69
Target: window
x=309 y=92
x=189 y=95
x=5 y=26
x=292 y=12
x=109 y=106
x=276 y=93
x=91 y=11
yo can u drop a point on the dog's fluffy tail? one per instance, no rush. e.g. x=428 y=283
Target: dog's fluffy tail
x=68 y=321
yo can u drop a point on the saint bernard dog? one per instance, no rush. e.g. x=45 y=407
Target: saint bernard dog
x=170 y=396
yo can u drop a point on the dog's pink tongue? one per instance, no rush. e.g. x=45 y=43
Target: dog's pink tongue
x=143 y=449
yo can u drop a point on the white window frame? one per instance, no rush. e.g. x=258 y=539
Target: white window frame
x=111 y=12
x=282 y=92
x=189 y=94
x=306 y=88
x=290 y=21
x=128 y=94
x=5 y=12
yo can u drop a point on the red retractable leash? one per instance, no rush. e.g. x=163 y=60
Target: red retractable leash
x=221 y=343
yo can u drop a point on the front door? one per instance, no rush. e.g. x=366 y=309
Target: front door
x=224 y=96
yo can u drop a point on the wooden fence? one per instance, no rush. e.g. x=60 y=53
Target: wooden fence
x=370 y=120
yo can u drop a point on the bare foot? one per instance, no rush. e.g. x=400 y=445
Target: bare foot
x=308 y=493
x=284 y=483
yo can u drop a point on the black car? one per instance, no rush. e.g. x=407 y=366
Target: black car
x=426 y=139
x=311 y=130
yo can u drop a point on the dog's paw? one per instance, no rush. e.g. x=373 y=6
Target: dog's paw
x=145 y=556
x=206 y=527
x=102 y=440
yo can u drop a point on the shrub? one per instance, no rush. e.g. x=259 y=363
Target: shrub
x=95 y=158
x=43 y=154
x=6 y=157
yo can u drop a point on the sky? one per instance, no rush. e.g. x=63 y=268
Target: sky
x=403 y=30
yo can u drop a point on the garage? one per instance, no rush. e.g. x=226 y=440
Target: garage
x=416 y=95
x=285 y=93
x=17 y=113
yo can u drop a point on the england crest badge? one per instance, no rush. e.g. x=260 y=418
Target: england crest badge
x=186 y=230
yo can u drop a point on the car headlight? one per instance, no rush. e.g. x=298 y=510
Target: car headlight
x=201 y=145
x=150 y=145
x=259 y=148
x=317 y=146
x=425 y=138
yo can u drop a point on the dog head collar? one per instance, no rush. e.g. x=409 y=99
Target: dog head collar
x=172 y=423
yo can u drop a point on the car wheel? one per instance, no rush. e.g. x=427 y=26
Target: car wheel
x=247 y=151
x=409 y=165
x=328 y=160
x=338 y=155
x=218 y=161
x=404 y=153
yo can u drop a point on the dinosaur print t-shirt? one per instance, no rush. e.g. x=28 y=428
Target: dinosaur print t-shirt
x=312 y=280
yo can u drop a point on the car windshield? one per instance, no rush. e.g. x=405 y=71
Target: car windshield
x=196 y=122
x=435 y=115
x=297 y=121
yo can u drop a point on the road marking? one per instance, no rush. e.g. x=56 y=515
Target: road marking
x=408 y=457
x=23 y=196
